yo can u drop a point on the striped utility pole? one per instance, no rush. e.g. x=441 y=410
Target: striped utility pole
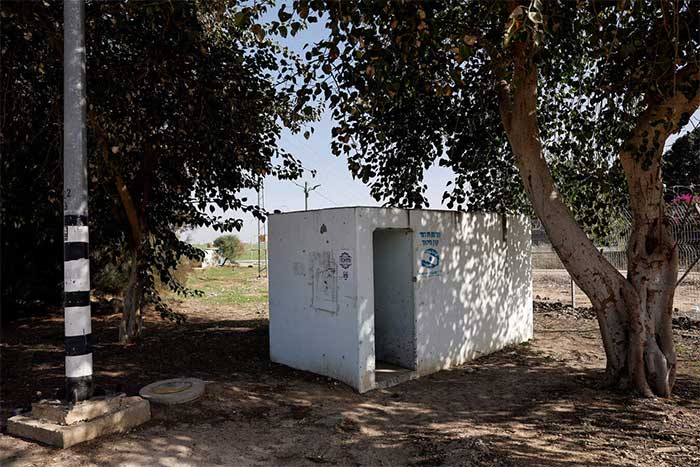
x=76 y=262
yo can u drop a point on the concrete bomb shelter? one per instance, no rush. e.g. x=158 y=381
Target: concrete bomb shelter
x=376 y=296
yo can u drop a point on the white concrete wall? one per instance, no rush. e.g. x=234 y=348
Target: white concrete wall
x=313 y=298
x=478 y=299
x=472 y=289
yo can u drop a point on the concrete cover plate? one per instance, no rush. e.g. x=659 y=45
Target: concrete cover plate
x=173 y=391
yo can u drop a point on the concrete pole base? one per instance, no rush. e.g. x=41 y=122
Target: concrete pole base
x=59 y=424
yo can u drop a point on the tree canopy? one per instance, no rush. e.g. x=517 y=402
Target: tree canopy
x=413 y=84
x=186 y=104
x=568 y=103
x=682 y=165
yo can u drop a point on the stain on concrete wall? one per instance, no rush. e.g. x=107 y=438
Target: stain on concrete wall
x=324 y=272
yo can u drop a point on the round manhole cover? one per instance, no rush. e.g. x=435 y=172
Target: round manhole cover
x=171 y=387
x=173 y=391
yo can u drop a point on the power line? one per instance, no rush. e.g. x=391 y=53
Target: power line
x=326 y=198
x=299 y=148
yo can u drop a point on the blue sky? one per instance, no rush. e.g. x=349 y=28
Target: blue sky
x=337 y=185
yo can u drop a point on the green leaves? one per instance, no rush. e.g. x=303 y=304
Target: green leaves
x=285 y=16
x=681 y=165
x=406 y=94
x=242 y=17
x=229 y=247
x=196 y=119
x=259 y=32
x=418 y=85
x=525 y=23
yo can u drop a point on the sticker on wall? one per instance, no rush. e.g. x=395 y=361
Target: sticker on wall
x=431 y=258
x=430 y=264
x=346 y=279
x=345 y=260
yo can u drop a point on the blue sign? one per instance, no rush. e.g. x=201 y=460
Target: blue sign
x=431 y=258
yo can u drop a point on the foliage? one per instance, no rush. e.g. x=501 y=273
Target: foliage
x=687 y=198
x=572 y=94
x=107 y=276
x=186 y=104
x=30 y=166
x=229 y=247
x=413 y=84
x=682 y=165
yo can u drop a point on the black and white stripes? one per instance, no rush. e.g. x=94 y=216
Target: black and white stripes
x=78 y=329
x=76 y=260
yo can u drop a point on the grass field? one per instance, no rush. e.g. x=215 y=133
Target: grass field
x=250 y=251
x=228 y=285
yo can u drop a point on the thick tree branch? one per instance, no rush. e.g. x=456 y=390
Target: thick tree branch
x=122 y=189
x=608 y=290
x=499 y=67
x=651 y=252
x=641 y=154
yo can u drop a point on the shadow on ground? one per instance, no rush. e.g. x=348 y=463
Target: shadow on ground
x=527 y=405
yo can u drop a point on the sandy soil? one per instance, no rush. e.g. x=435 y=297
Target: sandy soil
x=535 y=404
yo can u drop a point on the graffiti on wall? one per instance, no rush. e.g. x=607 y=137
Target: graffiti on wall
x=324 y=274
x=332 y=277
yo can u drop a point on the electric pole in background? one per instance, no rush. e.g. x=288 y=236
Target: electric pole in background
x=76 y=260
x=262 y=229
x=307 y=190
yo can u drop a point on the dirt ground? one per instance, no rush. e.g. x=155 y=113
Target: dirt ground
x=555 y=285
x=535 y=404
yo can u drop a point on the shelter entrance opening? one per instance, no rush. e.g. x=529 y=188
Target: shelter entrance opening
x=394 y=315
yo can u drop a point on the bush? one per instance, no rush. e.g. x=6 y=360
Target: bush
x=230 y=247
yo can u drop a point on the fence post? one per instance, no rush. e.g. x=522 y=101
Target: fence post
x=573 y=293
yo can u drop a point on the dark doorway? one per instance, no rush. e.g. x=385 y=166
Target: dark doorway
x=394 y=316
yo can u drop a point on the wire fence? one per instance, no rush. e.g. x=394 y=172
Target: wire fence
x=684 y=219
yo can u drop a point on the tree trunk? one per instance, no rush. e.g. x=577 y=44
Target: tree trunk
x=132 y=318
x=132 y=315
x=634 y=313
x=652 y=268
x=652 y=256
